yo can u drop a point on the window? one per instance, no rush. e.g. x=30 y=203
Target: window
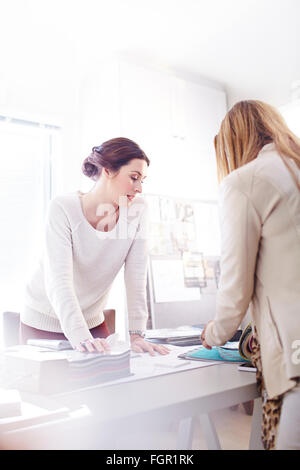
x=291 y=114
x=28 y=152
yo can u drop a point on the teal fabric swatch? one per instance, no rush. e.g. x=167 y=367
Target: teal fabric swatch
x=215 y=354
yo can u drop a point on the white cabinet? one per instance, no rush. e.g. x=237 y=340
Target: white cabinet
x=100 y=106
x=144 y=102
x=197 y=112
x=178 y=88
x=145 y=118
x=173 y=119
x=205 y=109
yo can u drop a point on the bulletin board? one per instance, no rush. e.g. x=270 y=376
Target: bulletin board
x=184 y=265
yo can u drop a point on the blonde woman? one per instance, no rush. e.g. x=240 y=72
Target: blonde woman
x=258 y=159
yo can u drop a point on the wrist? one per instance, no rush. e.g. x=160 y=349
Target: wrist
x=137 y=333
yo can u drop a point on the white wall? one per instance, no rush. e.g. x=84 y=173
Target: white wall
x=120 y=98
x=52 y=103
x=291 y=114
x=172 y=117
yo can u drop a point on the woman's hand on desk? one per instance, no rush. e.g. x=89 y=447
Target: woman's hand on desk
x=204 y=343
x=139 y=345
x=93 y=345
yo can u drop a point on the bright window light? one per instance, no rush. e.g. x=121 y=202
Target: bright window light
x=26 y=178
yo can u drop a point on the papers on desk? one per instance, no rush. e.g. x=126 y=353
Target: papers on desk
x=61 y=344
x=148 y=366
x=181 y=336
x=57 y=345
x=231 y=345
x=45 y=371
x=144 y=366
x=91 y=369
x=179 y=332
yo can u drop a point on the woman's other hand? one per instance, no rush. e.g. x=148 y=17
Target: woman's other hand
x=139 y=345
x=93 y=345
x=204 y=343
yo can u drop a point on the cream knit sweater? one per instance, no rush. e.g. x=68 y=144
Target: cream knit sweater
x=69 y=288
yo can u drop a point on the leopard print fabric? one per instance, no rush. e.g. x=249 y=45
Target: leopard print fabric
x=271 y=407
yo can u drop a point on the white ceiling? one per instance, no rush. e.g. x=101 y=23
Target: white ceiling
x=250 y=46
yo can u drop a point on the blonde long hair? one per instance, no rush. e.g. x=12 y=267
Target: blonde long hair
x=246 y=128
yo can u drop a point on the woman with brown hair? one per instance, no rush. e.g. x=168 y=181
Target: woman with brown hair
x=258 y=161
x=89 y=237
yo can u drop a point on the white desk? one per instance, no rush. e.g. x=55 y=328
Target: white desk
x=137 y=405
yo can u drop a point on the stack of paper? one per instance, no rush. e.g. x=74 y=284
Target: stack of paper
x=184 y=335
x=57 y=345
x=38 y=370
x=91 y=369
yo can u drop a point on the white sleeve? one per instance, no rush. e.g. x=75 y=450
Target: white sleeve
x=59 y=275
x=135 y=275
x=240 y=237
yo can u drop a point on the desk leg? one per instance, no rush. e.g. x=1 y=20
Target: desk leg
x=210 y=432
x=255 y=437
x=185 y=433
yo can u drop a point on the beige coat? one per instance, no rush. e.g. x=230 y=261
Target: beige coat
x=260 y=265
